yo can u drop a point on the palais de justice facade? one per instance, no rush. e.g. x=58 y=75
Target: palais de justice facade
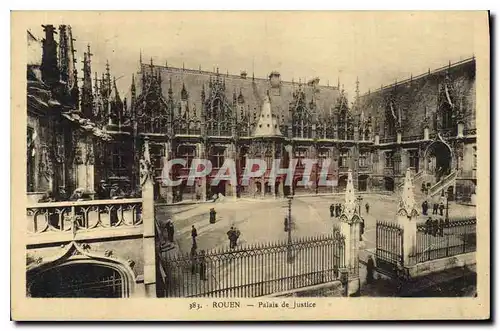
x=426 y=122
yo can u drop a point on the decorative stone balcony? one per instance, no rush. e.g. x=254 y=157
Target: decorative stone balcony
x=67 y=220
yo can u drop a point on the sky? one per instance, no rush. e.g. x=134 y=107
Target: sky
x=375 y=47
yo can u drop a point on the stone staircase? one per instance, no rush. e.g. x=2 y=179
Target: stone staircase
x=443 y=184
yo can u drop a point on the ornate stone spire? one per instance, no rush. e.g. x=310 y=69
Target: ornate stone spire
x=407 y=202
x=350 y=205
x=267 y=125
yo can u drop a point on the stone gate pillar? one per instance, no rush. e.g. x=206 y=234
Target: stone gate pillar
x=148 y=221
x=350 y=222
x=407 y=217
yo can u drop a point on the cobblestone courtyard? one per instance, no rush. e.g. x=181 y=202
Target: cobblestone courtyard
x=261 y=221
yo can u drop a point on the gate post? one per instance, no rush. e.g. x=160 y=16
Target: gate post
x=148 y=220
x=406 y=216
x=350 y=227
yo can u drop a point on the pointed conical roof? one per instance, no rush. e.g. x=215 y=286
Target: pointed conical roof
x=350 y=209
x=407 y=202
x=268 y=124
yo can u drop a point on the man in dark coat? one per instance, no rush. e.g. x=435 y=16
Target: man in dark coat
x=425 y=206
x=286 y=224
x=434 y=209
x=441 y=208
x=367 y=206
x=213 y=215
x=231 y=236
x=332 y=210
x=102 y=190
x=428 y=226
x=194 y=234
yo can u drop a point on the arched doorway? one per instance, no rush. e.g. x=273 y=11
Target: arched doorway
x=438 y=157
x=362 y=182
x=78 y=280
x=389 y=184
x=342 y=183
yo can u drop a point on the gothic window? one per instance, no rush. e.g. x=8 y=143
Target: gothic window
x=389 y=159
x=301 y=118
x=30 y=175
x=322 y=156
x=118 y=158
x=343 y=159
x=187 y=153
x=390 y=125
x=413 y=158
x=243 y=157
x=217 y=157
x=269 y=157
x=300 y=155
x=362 y=161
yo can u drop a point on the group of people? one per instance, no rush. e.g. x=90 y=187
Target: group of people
x=435 y=207
x=169 y=227
x=436 y=226
x=336 y=210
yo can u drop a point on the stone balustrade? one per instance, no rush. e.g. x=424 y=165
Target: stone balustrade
x=83 y=215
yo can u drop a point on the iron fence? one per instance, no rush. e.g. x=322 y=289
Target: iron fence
x=389 y=246
x=440 y=239
x=256 y=270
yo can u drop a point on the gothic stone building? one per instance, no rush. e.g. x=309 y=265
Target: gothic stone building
x=198 y=114
x=60 y=137
x=428 y=123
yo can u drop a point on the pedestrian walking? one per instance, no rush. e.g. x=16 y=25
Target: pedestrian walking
x=332 y=210
x=435 y=227
x=231 y=235
x=441 y=208
x=285 y=223
x=367 y=206
x=434 y=208
x=236 y=236
x=194 y=234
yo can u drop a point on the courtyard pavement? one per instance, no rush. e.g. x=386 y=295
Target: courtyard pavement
x=261 y=222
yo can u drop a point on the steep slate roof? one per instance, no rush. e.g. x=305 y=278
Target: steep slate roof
x=252 y=89
x=413 y=97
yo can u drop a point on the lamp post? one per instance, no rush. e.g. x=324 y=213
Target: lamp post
x=447 y=205
x=289 y=248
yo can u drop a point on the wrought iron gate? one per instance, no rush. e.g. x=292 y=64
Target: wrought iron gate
x=389 y=247
x=256 y=270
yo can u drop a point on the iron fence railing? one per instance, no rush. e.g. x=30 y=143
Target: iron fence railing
x=255 y=270
x=83 y=215
x=438 y=239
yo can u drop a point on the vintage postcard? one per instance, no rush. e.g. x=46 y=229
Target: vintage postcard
x=250 y=165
